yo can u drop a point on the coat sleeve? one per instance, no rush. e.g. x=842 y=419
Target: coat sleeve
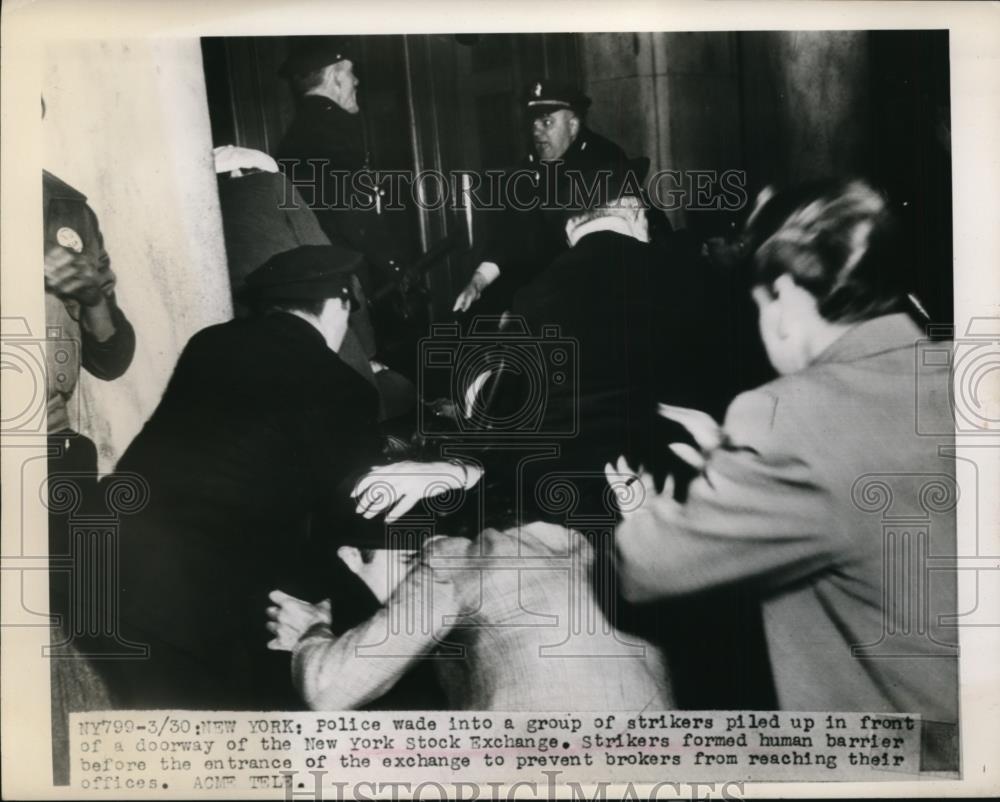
x=759 y=512
x=347 y=672
x=512 y=239
x=109 y=359
x=344 y=444
x=514 y=234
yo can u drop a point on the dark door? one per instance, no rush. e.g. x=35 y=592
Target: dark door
x=441 y=102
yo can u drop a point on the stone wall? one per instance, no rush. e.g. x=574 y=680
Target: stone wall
x=782 y=105
x=140 y=148
x=640 y=82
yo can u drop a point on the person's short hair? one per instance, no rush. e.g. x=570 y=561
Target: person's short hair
x=836 y=239
x=305 y=82
x=311 y=306
x=620 y=207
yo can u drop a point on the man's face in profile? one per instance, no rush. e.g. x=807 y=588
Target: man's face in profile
x=343 y=86
x=554 y=132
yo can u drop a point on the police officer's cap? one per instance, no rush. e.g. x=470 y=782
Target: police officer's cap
x=309 y=272
x=307 y=54
x=544 y=97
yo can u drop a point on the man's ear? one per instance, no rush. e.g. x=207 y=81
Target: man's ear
x=797 y=307
x=574 y=126
x=351 y=555
x=784 y=294
x=332 y=305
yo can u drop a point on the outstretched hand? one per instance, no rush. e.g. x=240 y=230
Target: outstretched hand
x=702 y=428
x=635 y=489
x=483 y=276
x=396 y=488
x=467 y=297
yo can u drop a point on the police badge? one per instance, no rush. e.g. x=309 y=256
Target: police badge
x=68 y=238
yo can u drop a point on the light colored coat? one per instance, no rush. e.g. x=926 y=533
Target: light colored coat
x=827 y=498
x=510 y=620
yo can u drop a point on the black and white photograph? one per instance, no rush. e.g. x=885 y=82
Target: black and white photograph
x=408 y=402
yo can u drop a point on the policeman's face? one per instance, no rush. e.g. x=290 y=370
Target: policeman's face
x=554 y=132
x=344 y=86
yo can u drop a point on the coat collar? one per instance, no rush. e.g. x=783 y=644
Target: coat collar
x=54 y=187
x=322 y=103
x=615 y=225
x=870 y=337
x=578 y=146
x=293 y=326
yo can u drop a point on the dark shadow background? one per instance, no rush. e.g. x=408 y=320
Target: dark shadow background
x=781 y=106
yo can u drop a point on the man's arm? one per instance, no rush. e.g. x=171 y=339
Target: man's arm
x=108 y=339
x=755 y=513
x=348 y=672
x=108 y=358
x=357 y=490
x=511 y=245
x=484 y=275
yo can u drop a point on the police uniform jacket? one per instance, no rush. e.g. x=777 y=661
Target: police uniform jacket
x=71 y=223
x=524 y=242
x=323 y=131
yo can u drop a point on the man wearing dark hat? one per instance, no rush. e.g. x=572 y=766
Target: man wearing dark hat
x=329 y=132
x=525 y=241
x=250 y=459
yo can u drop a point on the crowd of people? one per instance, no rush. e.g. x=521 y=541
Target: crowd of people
x=308 y=544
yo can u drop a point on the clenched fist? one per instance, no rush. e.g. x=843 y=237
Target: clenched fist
x=70 y=275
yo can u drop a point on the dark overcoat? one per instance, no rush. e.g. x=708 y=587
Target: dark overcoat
x=323 y=133
x=249 y=458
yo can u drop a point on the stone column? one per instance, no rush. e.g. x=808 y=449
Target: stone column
x=127 y=124
x=806 y=104
x=673 y=97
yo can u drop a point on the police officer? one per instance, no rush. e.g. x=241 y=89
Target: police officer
x=328 y=130
x=526 y=241
x=324 y=155
x=80 y=305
